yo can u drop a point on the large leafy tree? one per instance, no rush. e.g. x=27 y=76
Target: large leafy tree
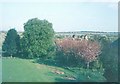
x=37 y=38
x=11 y=45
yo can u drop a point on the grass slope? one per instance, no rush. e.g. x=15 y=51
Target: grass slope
x=22 y=70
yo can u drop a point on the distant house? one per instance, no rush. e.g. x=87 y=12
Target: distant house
x=84 y=36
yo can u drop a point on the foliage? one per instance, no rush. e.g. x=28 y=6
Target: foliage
x=110 y=61
x=37 y=38
x=59 y=37
x=97 y=64
x=109 y=58
x=79 y=49
x=11 y=45
x=91 y=75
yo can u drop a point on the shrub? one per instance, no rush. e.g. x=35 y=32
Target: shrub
x=78 y=50
x=109 y=57
x=88 y=75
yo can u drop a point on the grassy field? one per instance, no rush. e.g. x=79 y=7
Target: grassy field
x=24 y=70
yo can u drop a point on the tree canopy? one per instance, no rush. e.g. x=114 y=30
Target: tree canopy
x=37 y=37
x=11 y=46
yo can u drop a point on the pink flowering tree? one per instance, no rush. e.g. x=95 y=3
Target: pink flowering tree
x=85 y=49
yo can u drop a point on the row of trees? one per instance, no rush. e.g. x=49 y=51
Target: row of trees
x=36 y=41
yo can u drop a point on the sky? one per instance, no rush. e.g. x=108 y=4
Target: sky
x=65 y=16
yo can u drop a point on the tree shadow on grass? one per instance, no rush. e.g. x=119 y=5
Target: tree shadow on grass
x=49 y=62
x=53 y=63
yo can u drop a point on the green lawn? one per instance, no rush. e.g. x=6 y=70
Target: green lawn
x=22 y=70
x=25 y=70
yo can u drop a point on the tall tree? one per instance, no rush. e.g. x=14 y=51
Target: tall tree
x=37 y=38
x=10 y=45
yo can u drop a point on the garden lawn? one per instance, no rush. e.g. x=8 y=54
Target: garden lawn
x=24 y=70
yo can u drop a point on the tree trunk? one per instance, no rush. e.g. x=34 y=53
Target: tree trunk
x=87 y=65
x=67 y=60
x=11 y=55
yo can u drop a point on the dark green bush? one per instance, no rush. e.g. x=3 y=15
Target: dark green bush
x=109 y=57
x=67 y=59
x=90 y=75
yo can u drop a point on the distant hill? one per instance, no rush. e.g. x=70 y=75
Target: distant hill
x=89 y=32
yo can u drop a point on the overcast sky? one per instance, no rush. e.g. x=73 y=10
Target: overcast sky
x=65 y=16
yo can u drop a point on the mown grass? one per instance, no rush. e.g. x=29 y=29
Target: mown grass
x=26 y=70
x=22 y=70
